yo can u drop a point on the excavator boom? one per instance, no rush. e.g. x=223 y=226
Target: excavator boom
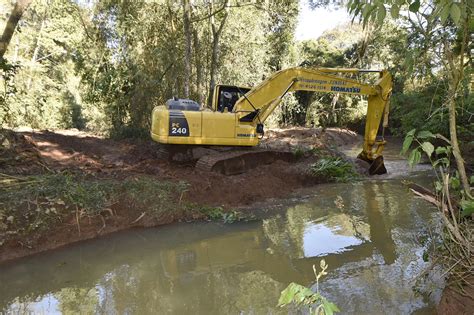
x=261 y=101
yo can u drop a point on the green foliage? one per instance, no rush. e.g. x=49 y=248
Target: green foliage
x=334 y=169
x=103 y=66
x=227 y=217
x=455 y=203
x=303 y=296
x=467 y=207
x=8 y=88
x=423 y=145
x=421 y=109
x=375 y=11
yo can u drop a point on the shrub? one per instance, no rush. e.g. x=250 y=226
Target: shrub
x=334 y=169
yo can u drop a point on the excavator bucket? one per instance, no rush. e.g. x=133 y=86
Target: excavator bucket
x=377 y=167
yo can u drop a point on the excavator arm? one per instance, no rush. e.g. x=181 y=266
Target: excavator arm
x=257 y=104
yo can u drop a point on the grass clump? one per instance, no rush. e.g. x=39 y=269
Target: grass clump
x=219 y=214
x=155 y=197
x=31 y=203
x=334 y=169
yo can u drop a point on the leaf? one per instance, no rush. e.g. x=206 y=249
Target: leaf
x=329 y=307
x=428 y=148
x=443 y=161
x=441 y=150
x=382 y=12
x=406 y=144
x=425 y=134
x=467 y=207
x=294 y=293
x=471 y=180
x=411 y=132
x=444 y=14
x=287 y=295
x=438 y=186
x=455 y=182
x=414 y=158
x=455 y=13
x=414 y=7
x=366 y=11
x=395 y=11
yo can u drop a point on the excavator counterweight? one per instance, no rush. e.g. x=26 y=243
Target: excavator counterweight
x=237 y=114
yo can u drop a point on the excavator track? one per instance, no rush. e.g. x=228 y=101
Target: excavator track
x=237 y=162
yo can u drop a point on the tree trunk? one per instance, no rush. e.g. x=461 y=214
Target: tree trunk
x=455 y=78
x=36 y=52
x=17 y=12
x=188 y=41
x=198 y=61
x=216 y=34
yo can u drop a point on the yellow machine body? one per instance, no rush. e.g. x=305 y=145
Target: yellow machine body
x=201 y=127
x=236 y=118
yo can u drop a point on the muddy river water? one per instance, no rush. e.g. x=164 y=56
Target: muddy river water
x=370 y=233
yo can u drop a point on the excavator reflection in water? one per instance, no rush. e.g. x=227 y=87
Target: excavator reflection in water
x=237 y=115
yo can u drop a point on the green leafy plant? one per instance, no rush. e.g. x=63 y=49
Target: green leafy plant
x=334 y=169
x=423 y=145
x=303 y=296
x=455 y=204
x=219 y=214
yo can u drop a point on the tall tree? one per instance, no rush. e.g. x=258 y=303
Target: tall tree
x=188 y=42
x=216 y=28
x=12 y=22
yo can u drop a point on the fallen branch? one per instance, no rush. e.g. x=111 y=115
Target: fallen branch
x=430 y=199
x=139 y=218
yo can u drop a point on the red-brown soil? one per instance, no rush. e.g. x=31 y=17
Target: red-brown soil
x=44 y=151
x=456 y=301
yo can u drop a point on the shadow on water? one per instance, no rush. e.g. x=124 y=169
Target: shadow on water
x=367 y=233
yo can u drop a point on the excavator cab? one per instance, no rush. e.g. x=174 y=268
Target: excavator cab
x=225 y=97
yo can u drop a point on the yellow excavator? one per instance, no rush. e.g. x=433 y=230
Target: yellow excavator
x=237 y=115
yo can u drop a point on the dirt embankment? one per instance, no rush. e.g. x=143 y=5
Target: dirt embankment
x=457 y=301
x=31 y=153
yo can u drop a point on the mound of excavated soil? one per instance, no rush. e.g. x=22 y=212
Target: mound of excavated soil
x=18 y=154
x=308 y=138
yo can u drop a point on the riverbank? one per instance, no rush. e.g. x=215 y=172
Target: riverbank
x=67 y=186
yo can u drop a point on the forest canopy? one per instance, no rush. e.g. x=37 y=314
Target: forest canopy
x=103 y=65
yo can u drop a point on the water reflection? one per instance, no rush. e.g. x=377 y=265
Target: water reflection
x=366 y=232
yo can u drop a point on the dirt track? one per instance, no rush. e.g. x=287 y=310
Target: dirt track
x=109 y=159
